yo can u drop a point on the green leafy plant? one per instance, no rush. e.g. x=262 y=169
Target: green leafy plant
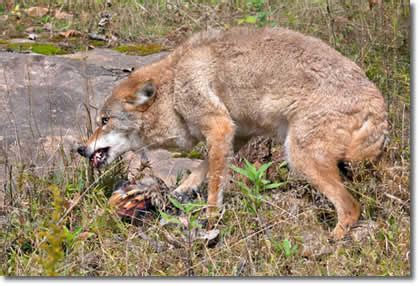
x=258 y=184
x=190 y=212
x=258 y=15
x=71 y=236
x=46 y=19
x=188 y=224
x=286 y=247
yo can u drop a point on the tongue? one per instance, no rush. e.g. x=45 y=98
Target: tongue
x=97 y=158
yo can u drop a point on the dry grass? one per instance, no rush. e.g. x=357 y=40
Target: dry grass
x=289 y=236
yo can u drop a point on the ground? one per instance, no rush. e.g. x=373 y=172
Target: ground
x=59 y=222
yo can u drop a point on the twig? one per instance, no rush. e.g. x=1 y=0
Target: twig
x=395 y=198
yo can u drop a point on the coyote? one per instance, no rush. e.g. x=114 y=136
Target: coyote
x=224 y=87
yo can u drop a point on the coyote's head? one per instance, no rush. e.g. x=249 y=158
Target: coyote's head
x=120 y=122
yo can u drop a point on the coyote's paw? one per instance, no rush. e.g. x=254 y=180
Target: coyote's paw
x=184 y=195
x=188 y=190
x=181 y=197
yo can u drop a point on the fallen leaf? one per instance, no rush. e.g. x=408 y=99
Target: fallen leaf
x=36 y=11
x=70 y=33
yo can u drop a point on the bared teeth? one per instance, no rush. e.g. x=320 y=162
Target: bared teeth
x=99 y=157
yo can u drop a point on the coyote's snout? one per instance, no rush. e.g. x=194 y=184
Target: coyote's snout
x=226 y=87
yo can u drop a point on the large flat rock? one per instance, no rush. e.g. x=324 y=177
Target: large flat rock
x=46 y=95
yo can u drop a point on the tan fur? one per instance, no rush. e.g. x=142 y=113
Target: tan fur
x=226 y=87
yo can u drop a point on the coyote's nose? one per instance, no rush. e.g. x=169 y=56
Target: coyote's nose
x=82 y=151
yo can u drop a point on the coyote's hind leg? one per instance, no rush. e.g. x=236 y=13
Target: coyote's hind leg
x=320 y=168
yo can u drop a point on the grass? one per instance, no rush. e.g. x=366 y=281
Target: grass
x=288 y=235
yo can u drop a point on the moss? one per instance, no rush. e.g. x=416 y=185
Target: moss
x=139 y=50
x=97 y=43
x=193 y=154
x=47 y=49
x=43 y=49
x=3 y=42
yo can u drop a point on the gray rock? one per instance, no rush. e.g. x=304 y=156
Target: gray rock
x=46 y=96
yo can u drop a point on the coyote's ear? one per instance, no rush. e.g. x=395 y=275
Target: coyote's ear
x=146 y=93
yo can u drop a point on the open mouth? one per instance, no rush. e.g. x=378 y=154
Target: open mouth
x=99 y=157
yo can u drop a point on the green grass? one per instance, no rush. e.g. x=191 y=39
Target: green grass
x=288 y=235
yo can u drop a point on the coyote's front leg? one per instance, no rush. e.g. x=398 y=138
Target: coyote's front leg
x=219 y=132
x=192 y=183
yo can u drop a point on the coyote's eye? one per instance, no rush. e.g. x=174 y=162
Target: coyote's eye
x=104 y=120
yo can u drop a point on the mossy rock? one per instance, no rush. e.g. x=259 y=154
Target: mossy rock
x=97 y=43
x=4 y=42
x=38 y=48
x=139 y=50
x=193 y=154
